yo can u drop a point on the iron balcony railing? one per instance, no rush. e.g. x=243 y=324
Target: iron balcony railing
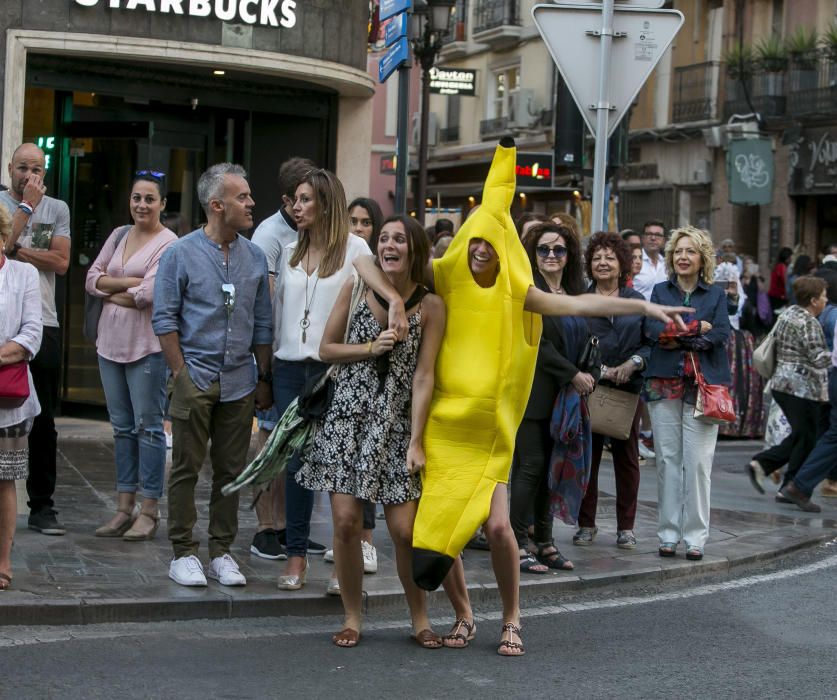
x=489 y=14
x=490 y=128
x=695 y=92
x=458 y=26
x=812 y=86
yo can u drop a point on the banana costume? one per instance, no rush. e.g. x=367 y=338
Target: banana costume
x=484 y=375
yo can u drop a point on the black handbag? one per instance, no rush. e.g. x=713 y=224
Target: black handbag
x=591 y=357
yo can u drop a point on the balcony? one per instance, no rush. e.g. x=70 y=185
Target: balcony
x=497 y=23
x=695 y=90
x=455 y=42
x=494 y=128
x=812 y=87
x=449 y=134
x=766 y=91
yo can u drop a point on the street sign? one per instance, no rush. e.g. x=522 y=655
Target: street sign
x=648 y=4
x=641 y=37
x=396 y=55
x=453 y=81
x=390 y=8
x=395 y=29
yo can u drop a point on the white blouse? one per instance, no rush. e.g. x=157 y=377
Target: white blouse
x=22 y=322
x=291 y=299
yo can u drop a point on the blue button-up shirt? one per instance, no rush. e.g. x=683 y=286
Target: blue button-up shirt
x=217 y=343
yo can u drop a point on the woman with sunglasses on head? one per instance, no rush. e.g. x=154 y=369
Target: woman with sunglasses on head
x=368 y=445
x=131 y=362
x=553 y=251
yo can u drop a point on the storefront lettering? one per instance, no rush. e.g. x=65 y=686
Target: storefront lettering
x=269 y=13
x=823 y=152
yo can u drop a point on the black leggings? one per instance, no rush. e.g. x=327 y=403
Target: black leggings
x=529 y=482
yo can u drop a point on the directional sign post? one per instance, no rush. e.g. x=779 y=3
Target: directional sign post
x=605 y=57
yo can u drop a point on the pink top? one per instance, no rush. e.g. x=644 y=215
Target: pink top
x=125 y=334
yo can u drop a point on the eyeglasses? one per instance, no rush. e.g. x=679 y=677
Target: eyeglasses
x=558 y=251
x=156 y=174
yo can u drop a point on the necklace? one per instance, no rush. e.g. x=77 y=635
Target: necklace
x=555 y=290
x=607 y=294
x=304 y=322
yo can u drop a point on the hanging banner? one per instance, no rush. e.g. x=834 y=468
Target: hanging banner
x=750 y=171
x=813 y=163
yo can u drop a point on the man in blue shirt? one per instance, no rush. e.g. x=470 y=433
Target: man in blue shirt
x=212 y=313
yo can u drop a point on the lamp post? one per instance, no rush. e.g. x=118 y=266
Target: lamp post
x=429 y=23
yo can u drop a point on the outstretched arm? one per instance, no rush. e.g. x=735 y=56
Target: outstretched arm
x=598 y=305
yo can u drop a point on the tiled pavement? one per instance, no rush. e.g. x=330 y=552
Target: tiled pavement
x=82 y=579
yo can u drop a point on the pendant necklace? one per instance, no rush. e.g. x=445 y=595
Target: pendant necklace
x=305 y=323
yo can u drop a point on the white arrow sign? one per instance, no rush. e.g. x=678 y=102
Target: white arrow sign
x=641 y=37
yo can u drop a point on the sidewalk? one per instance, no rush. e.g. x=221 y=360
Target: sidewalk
x=81 y=579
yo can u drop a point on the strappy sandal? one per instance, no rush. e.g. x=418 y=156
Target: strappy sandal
x=107 y=531
x=135 y=535
x=554 y=559
x=530 y=565
x=667 y=549
x=346 y=638
x=5 y=582
x=455 y=634
x=508 y=647
x=428 y=639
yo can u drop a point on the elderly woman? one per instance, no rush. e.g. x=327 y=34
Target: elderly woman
x=799 y=384
x=20 y=338
x=684 y=444
x=624 y=357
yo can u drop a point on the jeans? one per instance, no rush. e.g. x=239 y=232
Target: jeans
x=684 y=446
x=136 y=395
x=43 y=439
x=288 y=380
x=529 y=482
x=821 y=460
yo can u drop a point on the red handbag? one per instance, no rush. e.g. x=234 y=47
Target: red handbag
x=14 y=384
x=714 y=403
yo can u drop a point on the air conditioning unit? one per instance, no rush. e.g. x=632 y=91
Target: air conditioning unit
x=713 y=137
x=432 y=129
x=523 y=111
x=702 y=173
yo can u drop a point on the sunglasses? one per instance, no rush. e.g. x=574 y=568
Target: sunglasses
x=558 y=251
x=156 y=174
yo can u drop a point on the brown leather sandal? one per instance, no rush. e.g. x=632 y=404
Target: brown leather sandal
x=455 y=634
x=428 y=639
x=346 y=638
x=508 y=647
x=5 y=581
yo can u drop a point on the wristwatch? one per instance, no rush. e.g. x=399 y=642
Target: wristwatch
x=266 y=377
x=637 y=360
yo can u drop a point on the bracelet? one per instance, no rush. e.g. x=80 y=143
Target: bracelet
x=369 y=348
x=26 y=207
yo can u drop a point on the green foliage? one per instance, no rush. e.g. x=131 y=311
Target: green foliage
x=772 y=54
x=740 y=62
x=828 y=41
x=802 y=47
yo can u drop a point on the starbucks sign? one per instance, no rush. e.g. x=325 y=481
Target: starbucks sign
x=268 y=13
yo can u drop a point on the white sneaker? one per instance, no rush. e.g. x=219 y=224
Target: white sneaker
x=328 y=557
x=225 y=571
x=333 y=587
x=645 y=453
x=187 y=571
x=370 y=557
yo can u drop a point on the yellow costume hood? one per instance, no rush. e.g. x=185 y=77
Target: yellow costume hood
x=483 y=378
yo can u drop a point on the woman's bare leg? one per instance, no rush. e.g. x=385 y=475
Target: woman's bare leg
x=8 y=522
x=346 y=512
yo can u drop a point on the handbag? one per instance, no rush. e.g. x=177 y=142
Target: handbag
x=591 y=356
x=318 y=390
x=612 y=411
x=93 y=305
x=764 y=356
x=714 y=403
x=14 y=384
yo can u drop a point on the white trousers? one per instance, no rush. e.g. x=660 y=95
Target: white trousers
x=684 y=447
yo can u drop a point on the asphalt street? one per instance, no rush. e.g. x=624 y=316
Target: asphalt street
x=771 y=632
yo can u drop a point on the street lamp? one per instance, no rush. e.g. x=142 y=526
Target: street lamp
x=429 y=23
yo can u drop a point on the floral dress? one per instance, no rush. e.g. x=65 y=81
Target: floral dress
x=360 y=444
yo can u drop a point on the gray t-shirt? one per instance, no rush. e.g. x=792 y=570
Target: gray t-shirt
x=272 y=235
x=51 y=218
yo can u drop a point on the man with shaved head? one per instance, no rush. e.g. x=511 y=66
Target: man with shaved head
x=40 y=237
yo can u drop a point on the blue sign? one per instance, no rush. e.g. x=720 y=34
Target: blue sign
x=395 y=29
x=390 y=8
x=394 y=58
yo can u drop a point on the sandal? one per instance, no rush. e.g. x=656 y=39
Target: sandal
x=530 y=565
x=455 y=634
x=428 y=639
x=5 y=582
x=137 y=535
x=346 y=638
x=509 y=647
x=107 y=530
x=667 y=549
x=694 y=553
x=553 y=559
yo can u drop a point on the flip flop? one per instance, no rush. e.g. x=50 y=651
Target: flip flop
x=428 y=639
x=5 y=582
x=346 y=638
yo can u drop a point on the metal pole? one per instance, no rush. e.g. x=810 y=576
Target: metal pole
x=602 y=111
x=402 y=155
x=421 y=185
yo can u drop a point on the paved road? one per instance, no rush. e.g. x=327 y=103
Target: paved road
x=773 y=633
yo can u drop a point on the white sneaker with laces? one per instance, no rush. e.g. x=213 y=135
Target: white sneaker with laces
x=328 y=557
x=370 y=557
x=187 y=571
x=225 y=571
x=645 y=452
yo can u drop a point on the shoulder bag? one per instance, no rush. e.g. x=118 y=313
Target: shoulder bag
x=14 y=384
x=764 y=356
x=612 y=411
x=714 y=403
x=591 y=357
x=93 y=305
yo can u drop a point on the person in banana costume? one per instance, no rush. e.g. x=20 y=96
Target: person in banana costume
x=483 y=378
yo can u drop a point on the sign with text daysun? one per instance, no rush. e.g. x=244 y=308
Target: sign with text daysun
x=396 y=55
x=642 y=37
x=750 y=171
x=396 y=28
x=390 y=8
